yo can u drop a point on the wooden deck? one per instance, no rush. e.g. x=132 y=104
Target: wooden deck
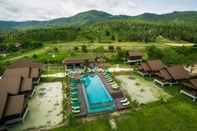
x=113 y=93
x=83 y=107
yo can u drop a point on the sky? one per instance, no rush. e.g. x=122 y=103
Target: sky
x=22 y=10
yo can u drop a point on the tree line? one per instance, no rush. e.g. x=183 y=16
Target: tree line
x=110 y=31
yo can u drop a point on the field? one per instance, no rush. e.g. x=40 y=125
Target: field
x=66 y=50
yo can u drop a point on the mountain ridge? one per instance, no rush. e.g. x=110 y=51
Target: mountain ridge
x=93 y=16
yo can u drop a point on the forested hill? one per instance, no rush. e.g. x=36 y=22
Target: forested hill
x=93 y=16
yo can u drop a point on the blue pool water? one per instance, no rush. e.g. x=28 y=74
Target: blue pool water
x=97 y=96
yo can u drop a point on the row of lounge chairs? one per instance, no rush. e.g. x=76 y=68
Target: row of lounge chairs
x=75 y=103
x=109 y=79
x=124 y=101
x=108 y=76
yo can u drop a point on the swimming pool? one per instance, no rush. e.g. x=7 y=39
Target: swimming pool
x=97 y=96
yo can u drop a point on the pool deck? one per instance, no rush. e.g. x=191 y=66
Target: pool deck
x=116 y=94
x=83 y=107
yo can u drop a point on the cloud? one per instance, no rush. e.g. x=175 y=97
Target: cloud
x=47 y=9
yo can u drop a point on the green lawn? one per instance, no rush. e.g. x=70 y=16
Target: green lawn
x=178 y=114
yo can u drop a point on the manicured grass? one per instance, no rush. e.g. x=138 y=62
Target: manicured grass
x=178 y=114
x=96 y=125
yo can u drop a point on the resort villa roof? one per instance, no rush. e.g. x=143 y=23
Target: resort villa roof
x=16 y=85
x=26 y=72
x=151 y=66
x=176 y=72
x=78 y=61
x=132 y=54
x=25 y=63
x=12 y=107
x=191 y=83
x=3 y=101
x=15 y=105
x=134 y=57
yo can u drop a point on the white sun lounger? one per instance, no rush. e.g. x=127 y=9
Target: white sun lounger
x=74 y=99
x=109 y=80
x=75 y=107
x=73 y=93
x=116 y=86
x=126 y=103
x=124 y=100
x=75 y=111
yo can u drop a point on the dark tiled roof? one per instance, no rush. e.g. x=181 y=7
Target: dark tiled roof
x=15 y=105
x=3 y=101
x=178 y=72
x=194 y=82
x=35 y=72
x=25 y=72
x=155 y=65
x=152 y=66
x=25 y=63
x=164 y=74
x=191 y=83
x=134 y=54
x=16 y=85
x=11 y=85
x=26 y=85
x=145 y=67
x=17 y=72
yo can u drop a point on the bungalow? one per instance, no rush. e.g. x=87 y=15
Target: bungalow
x=78 y=63
x=17 y=85
x=150 y=67
x=25 y=72
x=13 y=108
x=34 y=68
x=171 y=75
x=25 y=63
x=134 y=57
x=190 y=88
